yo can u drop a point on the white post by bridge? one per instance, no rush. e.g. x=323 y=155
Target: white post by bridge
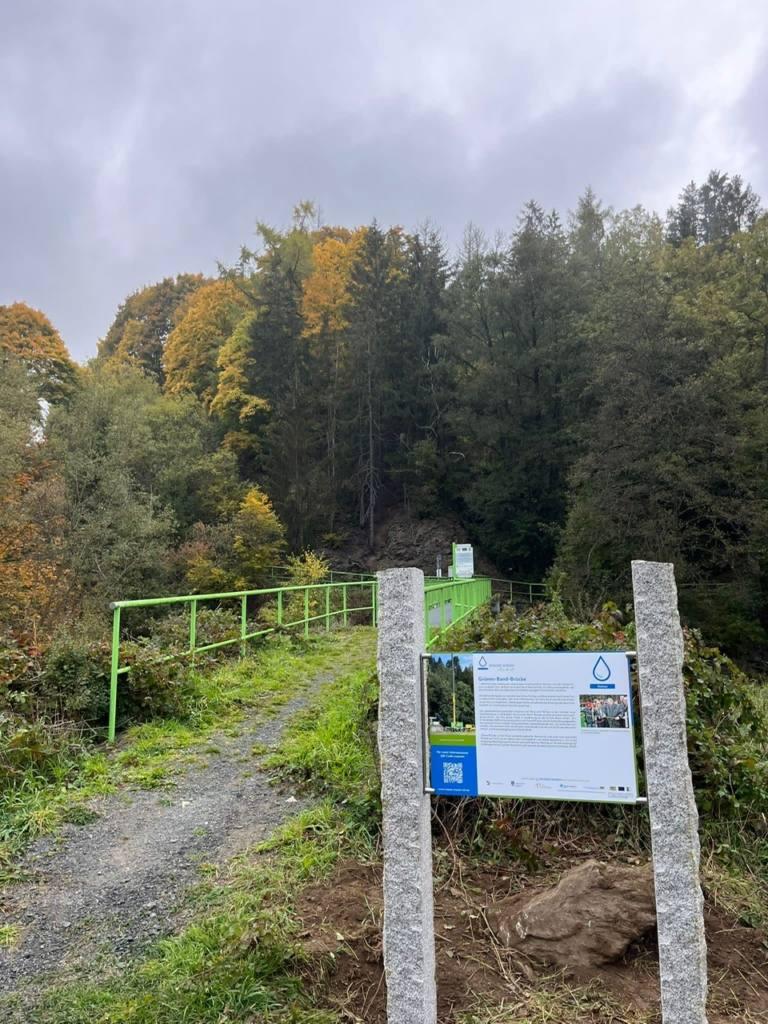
x=409 y=941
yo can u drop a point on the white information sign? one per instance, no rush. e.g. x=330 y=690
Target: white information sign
x=463 y=561
x=547 y=725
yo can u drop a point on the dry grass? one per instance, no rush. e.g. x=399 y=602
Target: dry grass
x=554 y=1000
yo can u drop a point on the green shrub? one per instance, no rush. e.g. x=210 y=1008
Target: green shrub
x=213 y=625
x=154 y=687
x=17 y=667
x=727 y=732
x=33 y=746
x=74 y=679
x=15 y=660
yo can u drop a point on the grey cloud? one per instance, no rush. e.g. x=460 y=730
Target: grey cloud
x=144 y=139
x=751 y=116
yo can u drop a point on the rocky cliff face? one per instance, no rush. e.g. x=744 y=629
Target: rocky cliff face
x=402 y=540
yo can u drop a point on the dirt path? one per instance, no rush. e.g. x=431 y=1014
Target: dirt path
x=100 y=892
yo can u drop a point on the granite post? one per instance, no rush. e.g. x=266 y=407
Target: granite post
x=409 y=942
x=671 y=803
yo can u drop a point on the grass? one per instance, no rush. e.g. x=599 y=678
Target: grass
x=153 y=754
x=240 y=960
x=9 y=935
x=734 y=871
x=331 y=746
x=553 y=1001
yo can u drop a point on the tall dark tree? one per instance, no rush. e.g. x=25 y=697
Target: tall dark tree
x=508 y=327
x=374 y=332
x=677 y=413
x=712 y=212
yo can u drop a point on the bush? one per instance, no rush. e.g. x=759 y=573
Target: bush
x=17 y=666
x=154 y=687
x=38 y=746
x=303 y=569
x=727 y=732
x=74 y=679
x=171 y=632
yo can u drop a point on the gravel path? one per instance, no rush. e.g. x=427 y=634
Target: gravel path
x=100 y=892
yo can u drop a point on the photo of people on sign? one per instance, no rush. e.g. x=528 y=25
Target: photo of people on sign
x=604 y=712
x=549 y=725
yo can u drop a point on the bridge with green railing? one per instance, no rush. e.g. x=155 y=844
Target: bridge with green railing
x=344 y=599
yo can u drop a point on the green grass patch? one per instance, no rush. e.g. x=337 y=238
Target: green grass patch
x=331 y=746
x=9 y=935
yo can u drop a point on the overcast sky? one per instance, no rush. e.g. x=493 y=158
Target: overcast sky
x=143 y=138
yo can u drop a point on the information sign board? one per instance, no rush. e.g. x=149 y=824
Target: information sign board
x=463 y=561
x=551 y=725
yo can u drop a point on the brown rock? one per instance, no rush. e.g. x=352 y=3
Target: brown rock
x=589 y=918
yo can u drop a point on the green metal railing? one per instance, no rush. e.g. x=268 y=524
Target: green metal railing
x=446 y=603
x=450 y=601
x=334 y=599
x=520 y=591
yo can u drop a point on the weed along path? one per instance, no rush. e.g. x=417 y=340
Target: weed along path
x=94 y=894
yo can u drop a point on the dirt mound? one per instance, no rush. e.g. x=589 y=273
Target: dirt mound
x=341 y=931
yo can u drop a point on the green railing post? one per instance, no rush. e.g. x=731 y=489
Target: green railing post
x=243 y=623
x=279 y=607
x=327 y=609
x=192 y=629
x=113 y=675
x=306 y=613
x=374 y=610
x=345 y=616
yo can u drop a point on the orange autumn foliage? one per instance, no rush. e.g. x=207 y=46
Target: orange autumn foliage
x=31 y=580
x=326 y=290
x=190 y=359
x=29 y=335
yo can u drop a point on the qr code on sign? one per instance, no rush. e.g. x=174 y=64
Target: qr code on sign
x=453 y=771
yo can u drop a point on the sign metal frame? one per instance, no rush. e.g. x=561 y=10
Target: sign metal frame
x=424 y=661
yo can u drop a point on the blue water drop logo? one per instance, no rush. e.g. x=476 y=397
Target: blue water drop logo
x=482 y=663
x=600 y=670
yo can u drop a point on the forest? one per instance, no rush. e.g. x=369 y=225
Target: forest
x=575 y=392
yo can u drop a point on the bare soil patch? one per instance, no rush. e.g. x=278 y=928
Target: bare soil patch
x=341 y=931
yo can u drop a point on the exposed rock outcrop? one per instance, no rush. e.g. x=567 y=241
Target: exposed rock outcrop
x=589 y=918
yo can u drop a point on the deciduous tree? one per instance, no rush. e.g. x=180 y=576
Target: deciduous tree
x=29 y=335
